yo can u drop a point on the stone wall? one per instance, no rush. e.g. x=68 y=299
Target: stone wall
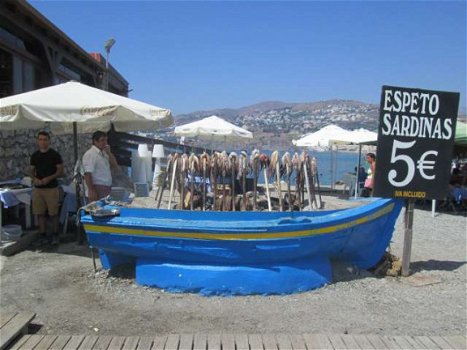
x=16 y=148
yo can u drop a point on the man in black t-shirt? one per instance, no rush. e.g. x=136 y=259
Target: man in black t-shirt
x=46 y=167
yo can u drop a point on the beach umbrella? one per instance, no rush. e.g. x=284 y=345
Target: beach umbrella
x=73 y=107
x=92 y=109
x=213 y=128
x=356 y=137
x=461 y=133
x=321 y=137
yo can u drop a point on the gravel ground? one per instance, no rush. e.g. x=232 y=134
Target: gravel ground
x=61 y=287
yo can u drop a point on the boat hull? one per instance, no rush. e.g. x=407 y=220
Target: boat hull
x=242 y=252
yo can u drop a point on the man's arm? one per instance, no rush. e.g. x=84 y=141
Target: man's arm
x=32 y=173
x=112 y=159
x=58 y=173
x=92 y=194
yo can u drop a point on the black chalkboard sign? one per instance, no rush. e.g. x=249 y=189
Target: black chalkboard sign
x=415 y=142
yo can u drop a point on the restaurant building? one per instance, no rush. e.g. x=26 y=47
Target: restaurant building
x=34 y=53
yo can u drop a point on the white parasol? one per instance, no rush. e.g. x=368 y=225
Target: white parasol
x=356 y=137
x=213 y=128
x=92 y=109
x=321 y=137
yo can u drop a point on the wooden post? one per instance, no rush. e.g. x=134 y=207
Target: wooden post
x=408 y=224
x=172 y=182
x=279 y=187
x=307 y=182
x=267 y=189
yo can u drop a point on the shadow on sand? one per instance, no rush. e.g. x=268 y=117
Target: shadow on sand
x=436 y=265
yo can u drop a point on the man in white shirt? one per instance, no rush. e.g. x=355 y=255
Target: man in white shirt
x=97 y=163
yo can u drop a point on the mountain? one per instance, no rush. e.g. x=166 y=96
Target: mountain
x=297 y=118
x=275 y=123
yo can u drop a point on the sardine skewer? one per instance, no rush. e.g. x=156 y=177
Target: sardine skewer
x=192 y=161
x=314 y=171
x=172 y=180
x=297 y=164
x=183 y=171
x=205 y=159
x=243 y=161
x=307 y=180
x=233 y=165
x=276 y=166
x=254 y=166
x=164 y=183
x=288 y=169
x=264 y=160
x=214 y=173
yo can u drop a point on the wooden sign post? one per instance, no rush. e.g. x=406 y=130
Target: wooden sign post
x=408 y=230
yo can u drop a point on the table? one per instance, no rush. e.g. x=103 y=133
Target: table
x=13 y=197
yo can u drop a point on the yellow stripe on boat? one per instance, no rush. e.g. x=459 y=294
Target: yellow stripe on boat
x=237 y=236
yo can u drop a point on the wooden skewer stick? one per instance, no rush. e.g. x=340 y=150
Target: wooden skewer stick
x=243 y=165
x=279 y=188
x=192 y=184
x=255 y=181
x=172 y=183
x=232 y=176
x=204 y=183
x=182 y=183
x=314 y=170
x=307 y=181
x=162 y=189
x=214 y=173
x=312 y=186
x=288 y=191
x=223 y=188
x=267 y=189
x=288 y=169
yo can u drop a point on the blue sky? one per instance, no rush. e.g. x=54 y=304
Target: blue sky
x=190 y=56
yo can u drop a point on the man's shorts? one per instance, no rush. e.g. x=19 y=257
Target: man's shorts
x=45 y=200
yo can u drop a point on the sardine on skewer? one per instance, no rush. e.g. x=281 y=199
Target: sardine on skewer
x=233 y=168
x=314 y=172
x=287 y=162
x=297 y=166
x=225 y=169
x=264 y=162
x=165 y=181
x=242 y=166
x=205 y=164
x=193 y=162
x=304 y=157
x=214 y=173
x=275 y=167
x=172 y=180
x=254 y=159
x=183 y=170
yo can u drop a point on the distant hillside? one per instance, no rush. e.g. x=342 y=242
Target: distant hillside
x=275 y=123
x=301 y=118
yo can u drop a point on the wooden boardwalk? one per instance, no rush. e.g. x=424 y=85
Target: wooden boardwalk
x=240 y=342
x=13 y=326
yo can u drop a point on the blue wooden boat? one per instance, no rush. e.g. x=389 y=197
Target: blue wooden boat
x=228 y=253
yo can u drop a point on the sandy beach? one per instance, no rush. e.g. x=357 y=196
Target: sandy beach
x=61 y=287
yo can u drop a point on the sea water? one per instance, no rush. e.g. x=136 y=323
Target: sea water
x=332 y=166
